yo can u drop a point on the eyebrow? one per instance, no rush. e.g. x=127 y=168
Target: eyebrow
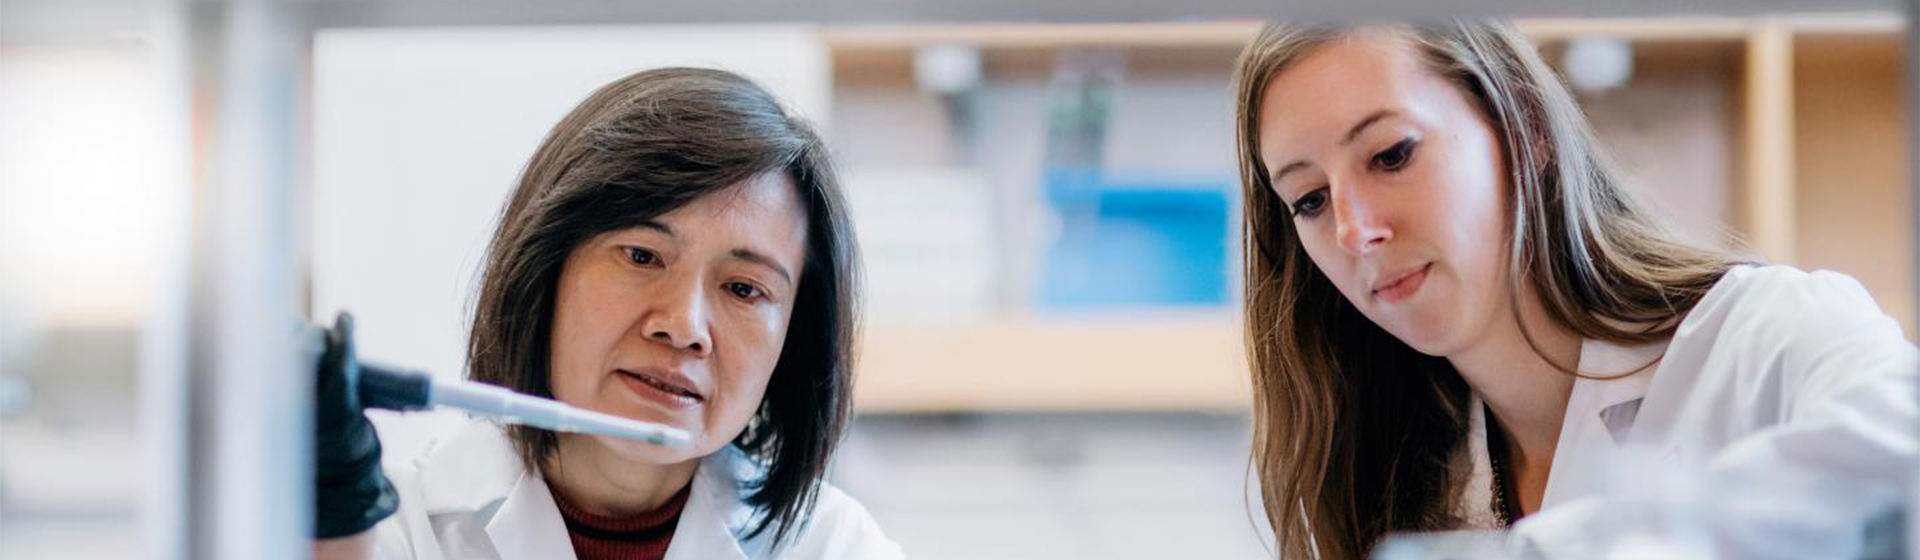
x=763 y=260
x=1352 y=134
x=743 y=254
x=656 y=226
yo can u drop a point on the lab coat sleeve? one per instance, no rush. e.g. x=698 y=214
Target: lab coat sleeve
x=1836 y=452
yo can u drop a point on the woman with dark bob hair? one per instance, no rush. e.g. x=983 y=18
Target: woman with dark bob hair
x=1459 y=317
x=677 y=252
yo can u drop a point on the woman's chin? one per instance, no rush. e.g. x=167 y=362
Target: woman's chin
x=1426 y=337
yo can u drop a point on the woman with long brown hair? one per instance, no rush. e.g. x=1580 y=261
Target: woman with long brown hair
x=1458 y=317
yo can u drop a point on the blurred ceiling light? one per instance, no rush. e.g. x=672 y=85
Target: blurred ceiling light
x=80 y=199
x=946 y=69
x=1597 y=64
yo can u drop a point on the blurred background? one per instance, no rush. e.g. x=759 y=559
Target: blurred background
x=1052 y=364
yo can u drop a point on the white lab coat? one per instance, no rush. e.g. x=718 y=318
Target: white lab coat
x=468 y=498
x=1782 y=422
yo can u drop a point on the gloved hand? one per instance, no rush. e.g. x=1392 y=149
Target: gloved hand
x=350 y=492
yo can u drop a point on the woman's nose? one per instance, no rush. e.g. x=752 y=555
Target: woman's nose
x=1360 y=222
x=678 y=318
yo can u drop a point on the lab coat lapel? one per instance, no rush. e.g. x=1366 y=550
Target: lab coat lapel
x=1600 y=415
x=477 y=469
x=714 y=513
x=528 y=525
x=470 y=471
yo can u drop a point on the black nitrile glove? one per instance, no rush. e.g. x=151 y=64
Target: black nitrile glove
x=350 y=493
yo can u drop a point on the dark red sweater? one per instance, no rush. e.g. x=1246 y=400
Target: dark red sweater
x=639 y=537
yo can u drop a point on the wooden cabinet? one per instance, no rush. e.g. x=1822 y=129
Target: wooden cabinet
x=1782 y=135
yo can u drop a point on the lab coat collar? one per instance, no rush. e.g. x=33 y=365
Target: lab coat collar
x=715 y=517
x=1625 y=372
x=1587 y=437
x=528 y=525
x=1600 y=414
x=473 y=470
x=479 y=469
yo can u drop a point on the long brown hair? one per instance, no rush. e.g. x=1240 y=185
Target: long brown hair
x=643 y=146
x=1331 y=389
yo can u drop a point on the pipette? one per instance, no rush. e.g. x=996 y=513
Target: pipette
x=404 y=390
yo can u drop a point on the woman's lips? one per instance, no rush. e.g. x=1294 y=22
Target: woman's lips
x=1402 y=287
x=659 y=391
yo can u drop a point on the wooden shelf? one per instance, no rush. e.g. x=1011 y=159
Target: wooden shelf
x=1132 y=362
x=1636 y=29
x=1233 y=34
x=1812 y=150
x=1847 y=24
x=1230 y=34
x=1693 y=29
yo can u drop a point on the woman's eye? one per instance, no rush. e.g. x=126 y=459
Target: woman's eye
x=1310 y=204
x=637 y=255
x=1396 y=157
x=743 y=290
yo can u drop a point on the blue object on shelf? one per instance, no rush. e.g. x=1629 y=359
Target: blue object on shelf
x=1137 y=242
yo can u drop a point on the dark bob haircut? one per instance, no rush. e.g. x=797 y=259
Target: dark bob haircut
x=643 y=146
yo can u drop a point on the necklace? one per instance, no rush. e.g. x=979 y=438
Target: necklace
x=1497 y=458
